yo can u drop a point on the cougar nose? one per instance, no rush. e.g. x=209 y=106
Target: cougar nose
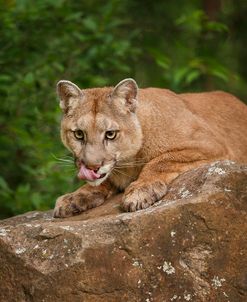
x=95 y=168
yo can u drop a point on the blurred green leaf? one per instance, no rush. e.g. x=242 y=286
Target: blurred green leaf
x=29 y=78
x=90 y=24
x=192 y=76
x=4 y=186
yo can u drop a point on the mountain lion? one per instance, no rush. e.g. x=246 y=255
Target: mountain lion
x=139 y=140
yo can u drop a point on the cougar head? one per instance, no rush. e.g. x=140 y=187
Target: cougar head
x=100 y=127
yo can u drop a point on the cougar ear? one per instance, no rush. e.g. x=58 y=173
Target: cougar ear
x=127 y=89
x=69 y=94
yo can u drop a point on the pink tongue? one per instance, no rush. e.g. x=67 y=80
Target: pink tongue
x=88 y=174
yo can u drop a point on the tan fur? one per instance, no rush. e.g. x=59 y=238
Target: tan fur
x=161 y=135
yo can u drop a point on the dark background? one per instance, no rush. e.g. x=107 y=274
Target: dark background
x=182 y=45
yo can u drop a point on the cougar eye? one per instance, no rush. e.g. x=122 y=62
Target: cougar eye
x=111 y=134
x=79 y=134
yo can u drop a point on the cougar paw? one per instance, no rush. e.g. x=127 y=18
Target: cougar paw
x=140 y=196
x=75 y=203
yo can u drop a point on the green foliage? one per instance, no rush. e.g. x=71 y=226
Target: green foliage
x=94 y=44
x=42 y=42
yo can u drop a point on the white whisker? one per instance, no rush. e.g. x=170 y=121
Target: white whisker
x=120 y=172
x=66 y=160
x=129 y=166
x=131 y=163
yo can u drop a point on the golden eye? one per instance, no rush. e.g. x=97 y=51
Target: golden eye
x=110 y=135
x=79 y=134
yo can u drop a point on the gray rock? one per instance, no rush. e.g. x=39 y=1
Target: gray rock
x=189 y=247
